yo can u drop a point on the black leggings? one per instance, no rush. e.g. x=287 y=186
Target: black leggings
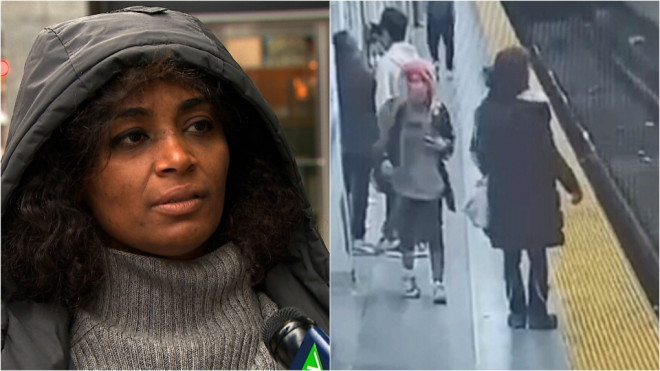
x=537 y=288
x=420 y=221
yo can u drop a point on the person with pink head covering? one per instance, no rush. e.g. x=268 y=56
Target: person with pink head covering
x=419 y=141
x=391 y=33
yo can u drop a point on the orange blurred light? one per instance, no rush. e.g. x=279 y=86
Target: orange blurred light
x=301 y=90
x=5 y=68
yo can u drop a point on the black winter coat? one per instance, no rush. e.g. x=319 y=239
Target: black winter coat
x=514 y=148
x=67 y=64
x=356 y=87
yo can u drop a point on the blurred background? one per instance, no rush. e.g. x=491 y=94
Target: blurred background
x=283 y=47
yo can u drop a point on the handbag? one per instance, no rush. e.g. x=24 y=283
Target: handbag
x=382 y=182
x=476 y=207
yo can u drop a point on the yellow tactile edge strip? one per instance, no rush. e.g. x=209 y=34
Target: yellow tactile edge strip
x=606 y=320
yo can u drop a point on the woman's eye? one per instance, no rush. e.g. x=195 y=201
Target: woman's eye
x=201 y=126
x=129 y=139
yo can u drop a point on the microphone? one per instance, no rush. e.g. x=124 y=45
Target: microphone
x=296 y=342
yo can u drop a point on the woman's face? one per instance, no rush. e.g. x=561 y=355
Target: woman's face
x=418 y=91
x=376 y=47
x=160 y=186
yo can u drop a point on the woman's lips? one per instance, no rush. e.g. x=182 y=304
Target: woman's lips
x=179 y=200
x=180 y=207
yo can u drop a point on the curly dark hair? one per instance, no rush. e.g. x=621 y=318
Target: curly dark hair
x=52 y=246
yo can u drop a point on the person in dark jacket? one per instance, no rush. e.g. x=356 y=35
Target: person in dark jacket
x=418 y=144
x=358 y=129
x=440 y=24
x=514 y=148
x=152 y=212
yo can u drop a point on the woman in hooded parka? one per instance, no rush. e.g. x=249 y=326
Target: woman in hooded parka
x=152 y=212
x=514 y=148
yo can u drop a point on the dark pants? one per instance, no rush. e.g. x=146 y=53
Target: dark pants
x=356 y=180
x=421 y=221
x=435 y=28
x=384 y=185
x=389 y=229
x=417 y=13
x=537 y=287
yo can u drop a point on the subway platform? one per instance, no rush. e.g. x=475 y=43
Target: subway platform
x=605 y=319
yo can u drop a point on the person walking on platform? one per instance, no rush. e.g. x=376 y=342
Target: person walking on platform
x=513 y=147
x=440 y=23
x=417 y=145
x=374 y=45
x=358 y=129
x=393 y=25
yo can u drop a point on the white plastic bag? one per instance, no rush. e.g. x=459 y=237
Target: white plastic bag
x=476 y=207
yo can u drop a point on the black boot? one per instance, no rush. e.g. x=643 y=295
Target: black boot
x=515 y=291
x=518 y=310
x=538 y=316
x=542 y=321
x=517 y=320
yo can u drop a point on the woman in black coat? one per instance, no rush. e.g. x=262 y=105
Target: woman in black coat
x=513 y=147
x=358 y=129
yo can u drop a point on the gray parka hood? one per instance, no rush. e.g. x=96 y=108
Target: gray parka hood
x=67 y=64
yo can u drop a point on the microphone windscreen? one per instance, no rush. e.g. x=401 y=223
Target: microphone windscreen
x=277 y=321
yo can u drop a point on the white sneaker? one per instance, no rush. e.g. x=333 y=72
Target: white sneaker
x=391 y=248
x=386 y=244
x=394 y=253
x=439 y=293
x=410 y=288
x=361 y=248
x=421 y=250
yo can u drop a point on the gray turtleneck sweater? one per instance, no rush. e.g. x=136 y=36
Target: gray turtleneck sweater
x=154 y=313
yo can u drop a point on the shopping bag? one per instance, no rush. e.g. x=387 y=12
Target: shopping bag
x=476 y=207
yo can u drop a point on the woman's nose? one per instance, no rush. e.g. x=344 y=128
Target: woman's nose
x=174 y=156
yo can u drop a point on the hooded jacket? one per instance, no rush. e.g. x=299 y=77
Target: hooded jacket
x=514 y=147
x=388 y=69
x=67 y=64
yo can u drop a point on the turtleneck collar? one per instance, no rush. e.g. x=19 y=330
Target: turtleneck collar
x=200 y=313
x=184 y=290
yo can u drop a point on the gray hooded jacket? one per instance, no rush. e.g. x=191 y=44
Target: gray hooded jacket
x=67 y=64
